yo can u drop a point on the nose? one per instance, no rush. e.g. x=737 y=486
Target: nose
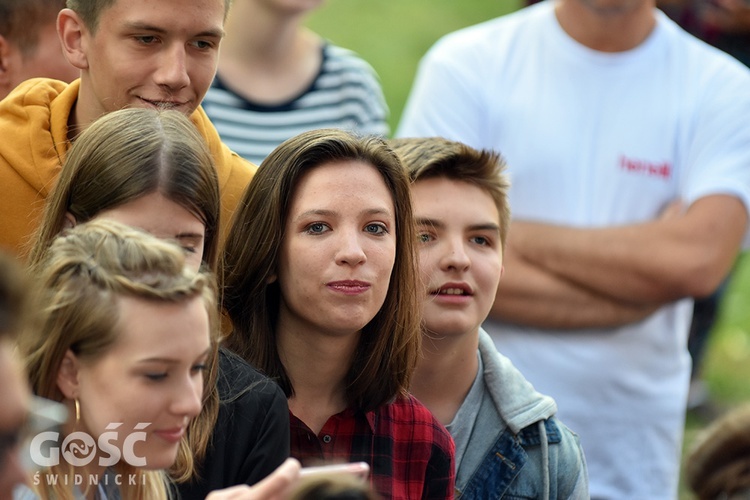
x=350 y=251
x=172 y=71
x=188 y=397
x=455 y=256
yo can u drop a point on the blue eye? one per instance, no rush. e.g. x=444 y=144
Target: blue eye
x=316 y=228
x=424 y=238
x=376 y=228
x=481 y=240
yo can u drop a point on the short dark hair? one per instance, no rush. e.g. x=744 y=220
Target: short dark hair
x=20 y=21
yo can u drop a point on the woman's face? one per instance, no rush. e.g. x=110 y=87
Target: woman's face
x=152 y=374
x=162 y=217
x=338 y=250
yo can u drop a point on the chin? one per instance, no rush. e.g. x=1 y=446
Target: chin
x=163 y=459
x=160 y=463
x=450 y=328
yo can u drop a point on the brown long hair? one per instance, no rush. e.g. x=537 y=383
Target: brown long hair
x=123 y=156
x=79 y=279
x=387 y=352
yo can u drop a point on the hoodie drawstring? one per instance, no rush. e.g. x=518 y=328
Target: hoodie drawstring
x=545 y=458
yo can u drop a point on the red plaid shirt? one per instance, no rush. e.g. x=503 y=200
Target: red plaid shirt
x=409 y=452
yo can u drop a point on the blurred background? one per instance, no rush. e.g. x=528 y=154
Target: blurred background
x=392 y=35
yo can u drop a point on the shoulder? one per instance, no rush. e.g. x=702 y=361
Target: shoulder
x=555 y=433
x=489 y=34
x=565 y=453
x=34 y=99
x=466 y=59
x=342 y=59
x=707 y=64
x=243 y=387
x=36 y=91
x=342 y=66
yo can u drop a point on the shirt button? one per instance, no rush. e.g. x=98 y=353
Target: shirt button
x=326 y=439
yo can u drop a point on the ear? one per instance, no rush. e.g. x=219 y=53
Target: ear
x=74 y=38
x=271 y=279
x=67 y=375
x=69 y=222
x=502 y=271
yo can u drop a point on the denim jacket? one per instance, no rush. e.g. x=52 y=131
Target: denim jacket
x=518 y=448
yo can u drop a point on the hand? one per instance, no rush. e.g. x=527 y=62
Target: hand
x=275 y=487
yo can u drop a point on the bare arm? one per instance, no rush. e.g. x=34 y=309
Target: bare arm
x=529 y=295
x=650 y=263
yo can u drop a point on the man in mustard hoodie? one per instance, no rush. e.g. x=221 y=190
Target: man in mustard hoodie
x=131 y=53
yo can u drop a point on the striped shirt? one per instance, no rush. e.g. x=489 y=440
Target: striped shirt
x=346 y=94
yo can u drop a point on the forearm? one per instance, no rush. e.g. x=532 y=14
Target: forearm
x=649 y=264
x=531 y=296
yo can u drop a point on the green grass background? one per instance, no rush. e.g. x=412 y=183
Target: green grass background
x=394 y=34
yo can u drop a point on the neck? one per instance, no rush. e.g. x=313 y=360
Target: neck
x=317 y=366
x=84 y=111
x=92 y=469
x=445 y=373
x=605 y=28
x=267 y=55
x=258 y=34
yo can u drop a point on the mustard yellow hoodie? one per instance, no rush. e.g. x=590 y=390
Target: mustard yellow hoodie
x=34 y=141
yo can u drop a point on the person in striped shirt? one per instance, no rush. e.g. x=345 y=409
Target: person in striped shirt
x=277 y=79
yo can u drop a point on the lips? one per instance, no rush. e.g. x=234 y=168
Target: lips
x=163 y=104
x=349 y=287
x=453 y=289
x=173 y=435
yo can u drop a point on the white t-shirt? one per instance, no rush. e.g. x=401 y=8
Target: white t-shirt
x=597 y=139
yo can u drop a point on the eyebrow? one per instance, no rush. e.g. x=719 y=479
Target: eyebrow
x=171 y=361
x=141 y=26
x=331 y=213
x=488 y=226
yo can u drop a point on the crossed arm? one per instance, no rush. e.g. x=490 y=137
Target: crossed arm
x=564 y=277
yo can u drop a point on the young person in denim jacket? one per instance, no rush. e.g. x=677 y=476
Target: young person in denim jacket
x=509 y=444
